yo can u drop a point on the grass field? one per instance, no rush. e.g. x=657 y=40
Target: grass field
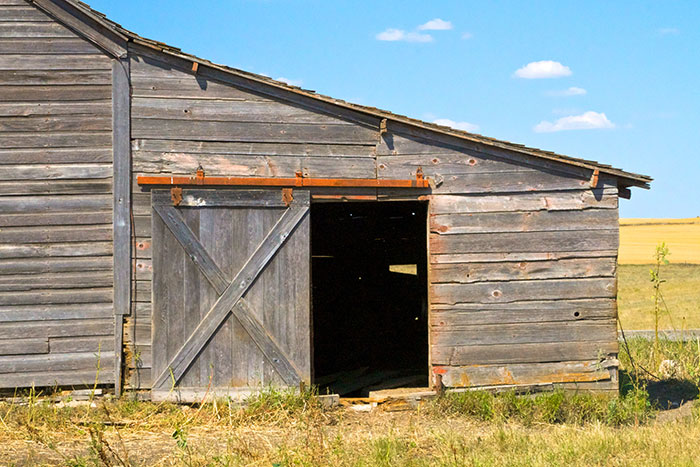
x=639 y=237
x=681 y=291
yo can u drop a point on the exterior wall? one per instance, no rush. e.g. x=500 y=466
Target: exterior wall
x=523 y=258
x=181 y=121
x=55 y=203
x=522 y=251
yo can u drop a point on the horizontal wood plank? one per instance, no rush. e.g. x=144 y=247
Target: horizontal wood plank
x=253 y=148
x=58 y=218
x=48 y=250
x=72 y=378
x=72 y=203
x=29 y=140
x=525 y=333
x=60 y=328
x=541 y=201
x=254 y=166
x=52 y=62
x=52 y=187
x=514 y=291
x=47 y=296
x=53 y=362
x=504 y=242
x=43 y=46
x=95 y=345
x=528 y=221
x=255 y=131
x=80 y=280
x=521 y=353
x=37 y=313
x=101 y=108
x=466 y=273
x=41 y=93
x=54 y=265
x=522 y=374
x=62 y=123
x=23 y=13
x=517 y=256
x=444 y=316
x=23 y=346
x=55 y=172
x=226 y=111
x=28 y=29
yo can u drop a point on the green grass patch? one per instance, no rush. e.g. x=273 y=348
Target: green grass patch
x=633 y=407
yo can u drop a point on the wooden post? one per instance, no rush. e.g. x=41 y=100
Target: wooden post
x=121 y=149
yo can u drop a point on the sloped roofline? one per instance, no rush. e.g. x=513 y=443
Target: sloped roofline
x=113 y=38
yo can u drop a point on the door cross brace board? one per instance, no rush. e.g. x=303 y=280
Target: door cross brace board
x=231 y=293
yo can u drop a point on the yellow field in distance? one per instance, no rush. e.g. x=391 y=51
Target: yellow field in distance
x=639 y=237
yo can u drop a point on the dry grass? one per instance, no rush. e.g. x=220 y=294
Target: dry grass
x=283 y=429
x=639 y=237
x=681 y=293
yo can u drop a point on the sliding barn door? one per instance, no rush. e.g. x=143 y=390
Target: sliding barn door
x=231 y=289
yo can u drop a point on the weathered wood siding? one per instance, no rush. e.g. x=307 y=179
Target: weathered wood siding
x=55 y=203
x=522 y=264
x=522 y=250
x=181 y=120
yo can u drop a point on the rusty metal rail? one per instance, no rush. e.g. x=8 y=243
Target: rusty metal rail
x=199 y=179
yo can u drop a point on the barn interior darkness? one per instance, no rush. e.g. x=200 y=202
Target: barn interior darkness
x=370 y=326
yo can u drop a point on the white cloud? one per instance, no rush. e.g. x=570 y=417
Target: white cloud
x=668 y=31
x=543 y=69
x=465 y=126
x=291 y=82
x=572 y=91
x=467 y=35
x=436 y=24
x=401 y=35
x=586 y=121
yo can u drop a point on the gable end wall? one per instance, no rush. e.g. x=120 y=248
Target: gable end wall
x=522 y=250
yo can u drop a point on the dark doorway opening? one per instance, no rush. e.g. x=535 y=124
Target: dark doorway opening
x=370 y=319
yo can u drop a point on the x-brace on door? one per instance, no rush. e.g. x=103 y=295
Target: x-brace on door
x=231 y=286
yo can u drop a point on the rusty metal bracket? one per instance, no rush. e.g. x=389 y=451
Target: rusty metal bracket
x=419 y=176
x=594 y=178
x=199 y=176
x=382 y=126
x=287 y=196
x=176 y=195
x=195 y=67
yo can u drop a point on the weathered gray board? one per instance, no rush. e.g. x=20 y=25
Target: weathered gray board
x=56 y=318
x=231 y=290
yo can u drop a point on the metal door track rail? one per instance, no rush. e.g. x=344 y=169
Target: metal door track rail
x=299 y=181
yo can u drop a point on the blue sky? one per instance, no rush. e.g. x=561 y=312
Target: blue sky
x=617 y=82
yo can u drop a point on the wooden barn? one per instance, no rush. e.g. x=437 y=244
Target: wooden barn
x=172 y=225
